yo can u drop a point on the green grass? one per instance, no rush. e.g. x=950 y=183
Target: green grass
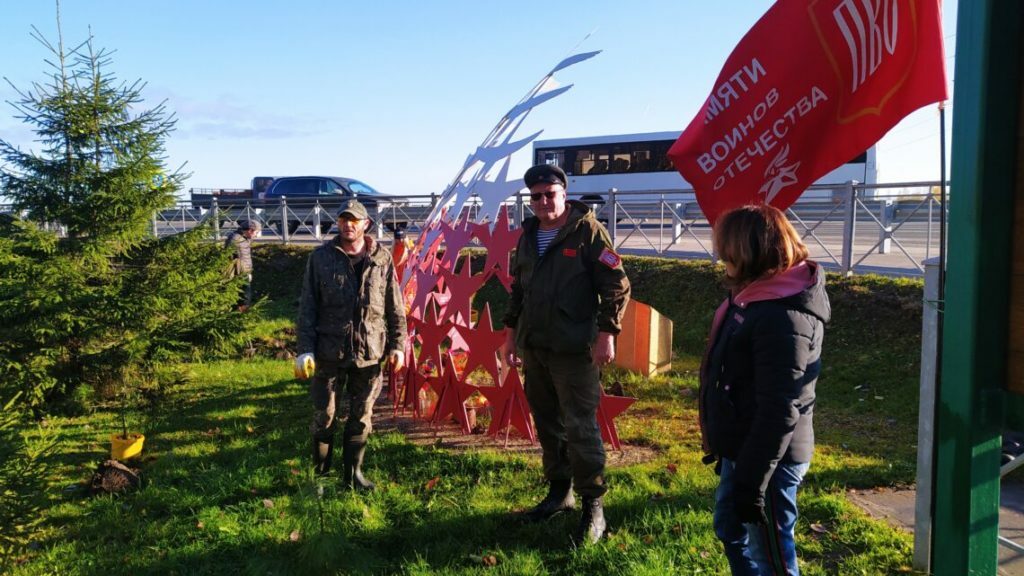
x=226 y=479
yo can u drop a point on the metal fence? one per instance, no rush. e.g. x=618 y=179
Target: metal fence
x=887 y=228
x=852 y=228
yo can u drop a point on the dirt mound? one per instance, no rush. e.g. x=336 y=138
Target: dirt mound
x=113 y=477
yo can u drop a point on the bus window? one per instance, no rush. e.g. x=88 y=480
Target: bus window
x=552 y=157
x=584 y=162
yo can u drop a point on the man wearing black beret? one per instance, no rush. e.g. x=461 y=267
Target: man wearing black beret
x=569 y=292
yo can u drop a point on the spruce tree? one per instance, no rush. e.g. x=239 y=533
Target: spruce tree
x=87 y=295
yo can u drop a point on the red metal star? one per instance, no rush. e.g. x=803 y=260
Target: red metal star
x=509 y=408
x=451 y=396
x=486 y=341
x=425 y=284
x=430 y=260
x=481 y=231
x=441 y=296
x=608 y=409
x=455 y=239
x=500 y=243
x=462 y=286
x=412 y=382
x=432 y=335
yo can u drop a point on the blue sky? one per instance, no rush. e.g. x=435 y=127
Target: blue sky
x=398 y=92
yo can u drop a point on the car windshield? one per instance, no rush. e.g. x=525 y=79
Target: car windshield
x=361 y=189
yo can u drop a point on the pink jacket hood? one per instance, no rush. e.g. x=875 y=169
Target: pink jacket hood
x=788 y=283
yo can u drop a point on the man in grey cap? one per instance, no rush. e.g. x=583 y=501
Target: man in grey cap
x=351 y=316
x=569 y=292
x=241 y=261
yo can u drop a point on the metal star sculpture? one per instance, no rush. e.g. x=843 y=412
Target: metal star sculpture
x=430 y=277
x=486 y=341
x=432 y=334
x=500 y=244
x=509 y=408
x=456 y=237
x=609 y=408
x=412 y=382
x=451 y=396
x=425 y=284
x=462 y=287
x=498 y=146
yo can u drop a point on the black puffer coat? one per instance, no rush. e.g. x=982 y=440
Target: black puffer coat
x=759 y=373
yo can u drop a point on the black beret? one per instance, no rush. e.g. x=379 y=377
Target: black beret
x=548 y=173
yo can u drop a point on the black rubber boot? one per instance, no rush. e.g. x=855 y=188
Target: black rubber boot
x=322 y=453
x=353 y=462
x=592 y=524
x=559 y=499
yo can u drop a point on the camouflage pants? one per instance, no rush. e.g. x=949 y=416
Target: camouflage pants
x=563 y=391
x=335 y=385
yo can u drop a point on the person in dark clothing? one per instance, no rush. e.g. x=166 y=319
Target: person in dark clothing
x=351 y=317
x=240 y=240
x=757 y=386
x=569 y=293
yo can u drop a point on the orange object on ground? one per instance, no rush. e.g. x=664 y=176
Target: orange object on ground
x=645 y=343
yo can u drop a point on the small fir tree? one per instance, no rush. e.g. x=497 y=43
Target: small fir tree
x=87 y=295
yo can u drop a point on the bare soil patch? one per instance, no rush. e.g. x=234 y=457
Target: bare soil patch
x=449 y=436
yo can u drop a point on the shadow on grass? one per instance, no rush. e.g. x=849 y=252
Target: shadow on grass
x=436 y=526
x=203 y=508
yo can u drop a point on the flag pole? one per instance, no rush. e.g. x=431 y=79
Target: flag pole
x=942 y=208
x=940 y=307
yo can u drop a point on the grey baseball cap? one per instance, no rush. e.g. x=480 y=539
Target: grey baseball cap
x=355 y=208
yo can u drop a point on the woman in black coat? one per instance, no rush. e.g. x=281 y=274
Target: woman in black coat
x=757 y=386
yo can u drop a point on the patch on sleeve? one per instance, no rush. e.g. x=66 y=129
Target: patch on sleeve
x=609 y=258
x=569 y=252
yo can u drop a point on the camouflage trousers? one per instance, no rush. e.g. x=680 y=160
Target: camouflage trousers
x=563 y=391
x=334 y=386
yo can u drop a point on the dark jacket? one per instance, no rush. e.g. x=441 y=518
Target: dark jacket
x=562 y=299
x=759 y=373
x=347 y=319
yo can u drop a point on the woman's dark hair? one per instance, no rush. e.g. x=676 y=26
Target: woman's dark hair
x=758 y=241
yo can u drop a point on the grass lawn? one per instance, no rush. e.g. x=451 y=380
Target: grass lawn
x=227 y=487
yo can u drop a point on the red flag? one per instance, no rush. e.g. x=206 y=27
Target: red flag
x=813 y=84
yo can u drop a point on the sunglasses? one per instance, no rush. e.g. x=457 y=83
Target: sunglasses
x=536 y=196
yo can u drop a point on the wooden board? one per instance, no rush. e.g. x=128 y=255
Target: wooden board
x=645 y=343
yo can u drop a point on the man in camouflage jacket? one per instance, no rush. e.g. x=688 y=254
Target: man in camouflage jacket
x=351 y=316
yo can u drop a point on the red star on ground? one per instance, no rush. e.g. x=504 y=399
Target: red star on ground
x=610 y=408
x=486 y=341
x=462 y=286
x=451 y=396
x=412 y=382
x=509 y=408
x=500 y=243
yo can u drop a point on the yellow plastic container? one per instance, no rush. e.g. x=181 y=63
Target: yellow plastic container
x=125 y=448
x=307 y=369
